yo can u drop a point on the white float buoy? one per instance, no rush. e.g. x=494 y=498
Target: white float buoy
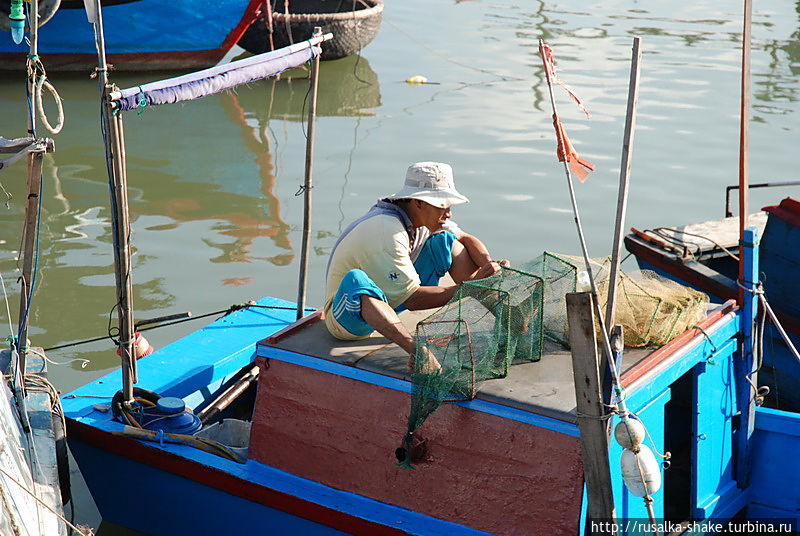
x=641 y=471
x=629 y=433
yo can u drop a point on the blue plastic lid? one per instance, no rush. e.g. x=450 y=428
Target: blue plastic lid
x=170 y=405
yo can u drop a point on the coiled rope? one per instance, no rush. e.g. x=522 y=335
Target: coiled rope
x=38 y=75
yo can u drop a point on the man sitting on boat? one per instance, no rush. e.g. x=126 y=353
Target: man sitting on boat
x=392 y=258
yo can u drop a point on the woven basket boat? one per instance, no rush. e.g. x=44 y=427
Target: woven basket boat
x=353 y=23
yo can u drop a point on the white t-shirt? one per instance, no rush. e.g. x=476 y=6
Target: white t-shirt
x=383 y=249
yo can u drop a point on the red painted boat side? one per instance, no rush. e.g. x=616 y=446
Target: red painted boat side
x=138 y=452
x=788 y=210
x=483 y=471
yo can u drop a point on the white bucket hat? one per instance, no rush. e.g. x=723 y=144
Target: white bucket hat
x=431 y=182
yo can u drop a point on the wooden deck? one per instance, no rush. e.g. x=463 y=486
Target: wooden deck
x=544 y=387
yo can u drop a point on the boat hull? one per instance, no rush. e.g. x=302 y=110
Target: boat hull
x=140 y=35
x=179 y=492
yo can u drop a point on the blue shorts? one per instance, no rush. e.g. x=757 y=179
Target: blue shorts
x=432 y=263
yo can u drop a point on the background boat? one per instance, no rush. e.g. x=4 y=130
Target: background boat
x=353 y=23
x=142 y=35
x=703 y=255
x=34 y=472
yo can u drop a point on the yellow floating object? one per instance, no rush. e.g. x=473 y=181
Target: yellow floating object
x=417 y=79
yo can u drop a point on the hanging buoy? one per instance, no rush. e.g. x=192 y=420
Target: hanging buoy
x=629 y=433
x=141 y=347
x=17 y=21
x=641 y=471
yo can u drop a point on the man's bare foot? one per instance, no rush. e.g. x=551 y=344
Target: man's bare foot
x=429 y=365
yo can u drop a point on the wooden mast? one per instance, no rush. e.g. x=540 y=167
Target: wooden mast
x=118 y=188
x=744 y=120
x=307 y=186
x=748 y=278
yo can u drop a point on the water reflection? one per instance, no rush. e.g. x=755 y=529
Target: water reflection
x=350 y=85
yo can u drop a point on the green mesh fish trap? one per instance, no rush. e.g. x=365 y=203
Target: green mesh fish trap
x=488 y=324
x=559 y=276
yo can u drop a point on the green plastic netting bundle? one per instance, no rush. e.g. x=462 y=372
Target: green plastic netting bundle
x=486 y=325
x=505 y=318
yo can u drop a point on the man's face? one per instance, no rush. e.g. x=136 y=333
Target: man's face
x=432 y=217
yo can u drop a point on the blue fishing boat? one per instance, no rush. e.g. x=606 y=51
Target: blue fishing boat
x=704 y=255
x=262 y=422
x=141 y=35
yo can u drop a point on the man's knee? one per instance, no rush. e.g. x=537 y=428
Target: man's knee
x=436 y=258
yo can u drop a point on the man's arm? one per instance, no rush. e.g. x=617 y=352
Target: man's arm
x=472 y=260
x=476 y=249
x=430 y=297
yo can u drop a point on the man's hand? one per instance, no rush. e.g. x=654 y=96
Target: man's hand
x=491 y=268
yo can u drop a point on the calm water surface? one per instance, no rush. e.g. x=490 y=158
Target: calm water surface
x=216 y=220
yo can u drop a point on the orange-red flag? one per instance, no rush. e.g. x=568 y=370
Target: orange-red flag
x=550 y=68
x=566 y=153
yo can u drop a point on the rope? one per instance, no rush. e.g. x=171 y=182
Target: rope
x=8 y=310
x=38 y=78
x=43 y=83
x=759 y=292
x=229 y=310
x=708 y=338
x=659 y=231
x=142 y=102
x=81 y=530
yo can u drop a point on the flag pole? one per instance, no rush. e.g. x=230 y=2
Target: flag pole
x=576 y=213
x=608 y=356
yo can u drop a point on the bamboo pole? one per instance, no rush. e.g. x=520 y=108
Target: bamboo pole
x=624 y=180
x=30 y=232
x=28 y=245
x=744 y=120
x=117 y=181
x=307 y=185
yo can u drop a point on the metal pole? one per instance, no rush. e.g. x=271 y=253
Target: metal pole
x=117 y=181
x=608 y=355
x=307 y=186
x=744 y=120
x=624 y=179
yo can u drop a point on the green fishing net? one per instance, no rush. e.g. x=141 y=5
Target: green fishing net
x=485 y=326
x=491 y=323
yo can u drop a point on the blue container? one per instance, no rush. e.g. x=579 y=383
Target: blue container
x=170 y=415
